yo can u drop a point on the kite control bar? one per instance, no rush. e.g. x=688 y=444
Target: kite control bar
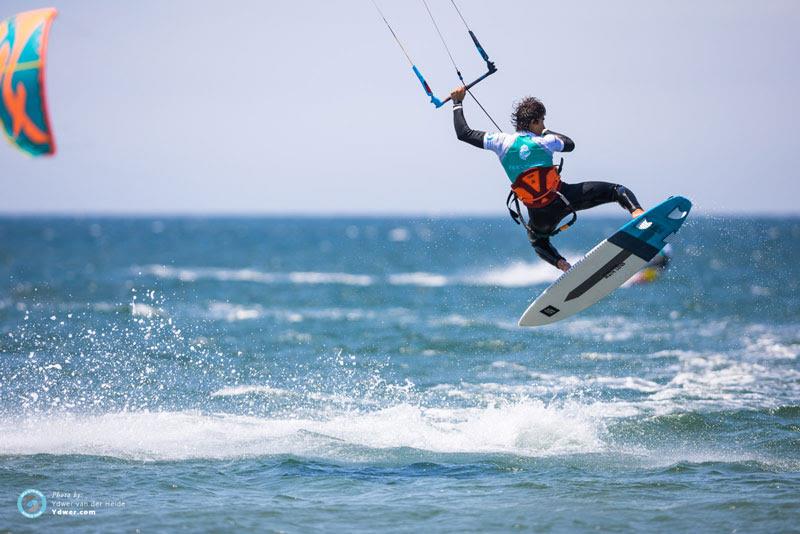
x=490 y=66
x=492 y=70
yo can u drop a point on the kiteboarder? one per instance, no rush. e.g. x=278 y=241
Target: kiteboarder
x=527 y=158
x=654 y=268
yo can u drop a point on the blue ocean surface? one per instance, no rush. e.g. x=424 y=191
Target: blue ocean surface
x=367 y=374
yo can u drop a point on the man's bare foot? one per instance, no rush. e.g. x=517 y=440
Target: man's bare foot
x=636 y=213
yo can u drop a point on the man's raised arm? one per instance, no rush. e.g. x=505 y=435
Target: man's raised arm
x=463 y=131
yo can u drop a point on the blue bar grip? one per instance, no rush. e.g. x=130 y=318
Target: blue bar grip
x=481 y=51
x=435 y=101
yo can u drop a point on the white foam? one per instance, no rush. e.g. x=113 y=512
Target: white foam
x=237 y=312
x=599 y=356
x=525 y=428
x=144 y=310
x=718 y=381
x=760 y=291
x=421 y=279
x=695 y=381
x=330 y=278
x=234 y=312
x=192 y=274
x=674 y=353
x=399 y=234
x=517 y=274
x=767 y=345
x=627 y=382
x=454 y=319
x=187 y=274
x=605 y=328
x=235 y=391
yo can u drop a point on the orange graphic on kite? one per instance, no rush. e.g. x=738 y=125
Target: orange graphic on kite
x=23 y=108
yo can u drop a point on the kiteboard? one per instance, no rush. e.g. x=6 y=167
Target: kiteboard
x=608 y=265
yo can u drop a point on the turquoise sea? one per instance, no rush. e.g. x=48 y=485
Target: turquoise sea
x=367 y=374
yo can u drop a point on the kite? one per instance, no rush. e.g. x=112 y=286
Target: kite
x=23 y=107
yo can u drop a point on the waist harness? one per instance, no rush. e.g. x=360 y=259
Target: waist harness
x=537 y=188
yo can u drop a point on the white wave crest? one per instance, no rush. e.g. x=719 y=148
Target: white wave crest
x=193 y=274
x=419 y=279
x=330 y=278
x=145 y=310
x=526 y=428
x=234 y=312
x=518 y=274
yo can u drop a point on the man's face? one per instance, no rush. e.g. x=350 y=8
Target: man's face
x=537 y=127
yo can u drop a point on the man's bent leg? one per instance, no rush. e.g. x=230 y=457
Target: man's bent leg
x=586 y=195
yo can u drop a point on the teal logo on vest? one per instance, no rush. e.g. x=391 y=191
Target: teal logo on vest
x=525 y=154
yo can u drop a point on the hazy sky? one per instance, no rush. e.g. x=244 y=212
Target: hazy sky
x=167 y=106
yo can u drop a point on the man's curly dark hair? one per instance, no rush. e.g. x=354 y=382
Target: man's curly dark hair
x=526 y=110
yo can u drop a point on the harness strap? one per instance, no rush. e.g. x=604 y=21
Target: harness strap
x=515 y=215
x=571 y=209
x=519 y=218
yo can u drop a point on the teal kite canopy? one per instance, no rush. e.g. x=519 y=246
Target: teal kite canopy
x=23 y=107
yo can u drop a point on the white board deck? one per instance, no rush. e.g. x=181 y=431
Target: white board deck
x=609 y=264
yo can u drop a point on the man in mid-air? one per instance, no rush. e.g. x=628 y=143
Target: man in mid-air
x=527 y=158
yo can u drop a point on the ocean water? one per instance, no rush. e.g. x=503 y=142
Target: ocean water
x=367 y=374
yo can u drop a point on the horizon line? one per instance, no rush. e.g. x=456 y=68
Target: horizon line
x=348 y=215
